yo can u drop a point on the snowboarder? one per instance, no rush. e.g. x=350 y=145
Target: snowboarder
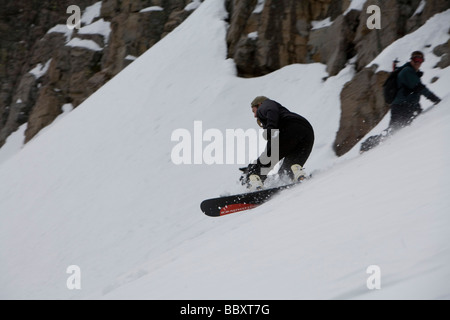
x=295 y=142
x=405 y=107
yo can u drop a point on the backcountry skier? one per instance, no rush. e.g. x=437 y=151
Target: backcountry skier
x=405 y=107
x=294 y=139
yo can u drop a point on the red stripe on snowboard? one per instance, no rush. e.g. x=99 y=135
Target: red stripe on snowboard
x=232 y=208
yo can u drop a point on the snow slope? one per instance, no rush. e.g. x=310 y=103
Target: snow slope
x=99 y=190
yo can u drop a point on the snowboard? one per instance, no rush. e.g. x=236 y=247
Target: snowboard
x=221 y=206
x=373 y=141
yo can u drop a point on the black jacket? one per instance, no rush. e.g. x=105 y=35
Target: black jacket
x=410 y=87
x=274 y=116
x=292 y=127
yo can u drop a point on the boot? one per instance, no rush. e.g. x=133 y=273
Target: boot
x=299 y=173
x=255 y=182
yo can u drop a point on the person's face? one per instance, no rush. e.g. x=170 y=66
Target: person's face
x=417 y=62
x=254 y=110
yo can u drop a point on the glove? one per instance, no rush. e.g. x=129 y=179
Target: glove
x=252 y=168
x=434 y=99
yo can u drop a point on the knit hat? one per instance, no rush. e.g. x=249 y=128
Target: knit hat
x=258 y=100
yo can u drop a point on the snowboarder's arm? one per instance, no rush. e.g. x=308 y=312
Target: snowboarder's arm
x=411 y=81
x=421 y=89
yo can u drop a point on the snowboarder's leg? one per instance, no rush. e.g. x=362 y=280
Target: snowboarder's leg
x=296 y=151
x=402 y=115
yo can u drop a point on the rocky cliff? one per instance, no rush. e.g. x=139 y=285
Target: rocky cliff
x=266 y=35
x=45 y=66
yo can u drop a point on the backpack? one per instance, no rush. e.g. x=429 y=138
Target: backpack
x=390 y=87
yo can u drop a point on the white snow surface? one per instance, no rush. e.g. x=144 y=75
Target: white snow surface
x=420 y=8
x=259 y=7
x=62 y=28
x=355 y=5
x=98 y=190
x=321 y=24
x=151 y=9
x=100 y=27
x=193 y=5
x=13 y=144
x=84 y=43
x=91 y=12
x=40 y=69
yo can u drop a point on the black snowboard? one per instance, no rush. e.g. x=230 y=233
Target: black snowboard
x=371 y=143
x=221 y=206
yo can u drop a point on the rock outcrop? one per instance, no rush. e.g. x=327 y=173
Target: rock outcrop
x=364 y=108
x=23 y=26
x=45 y=66
x=267 y=35
x=362 y=102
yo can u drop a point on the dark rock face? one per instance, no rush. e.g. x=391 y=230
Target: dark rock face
x=44 y=65
x=267 y=35
x=364 y=108
x=23 y=46
x=362 y=102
